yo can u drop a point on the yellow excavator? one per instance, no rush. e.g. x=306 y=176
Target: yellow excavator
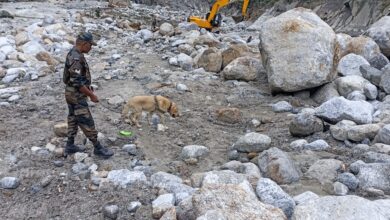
x=213 y=18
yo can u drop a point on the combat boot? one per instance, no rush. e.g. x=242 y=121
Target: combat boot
x=71 y=148
x=102 y=151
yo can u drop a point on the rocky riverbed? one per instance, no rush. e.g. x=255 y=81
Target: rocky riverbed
x=279 y=119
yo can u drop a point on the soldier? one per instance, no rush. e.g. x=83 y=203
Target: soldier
x=77 y=79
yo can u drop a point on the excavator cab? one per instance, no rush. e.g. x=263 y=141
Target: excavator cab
x=213 y=18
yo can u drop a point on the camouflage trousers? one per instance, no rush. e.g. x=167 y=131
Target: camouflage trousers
x=80 y=116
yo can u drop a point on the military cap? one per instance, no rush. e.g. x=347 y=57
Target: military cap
x=87 y=37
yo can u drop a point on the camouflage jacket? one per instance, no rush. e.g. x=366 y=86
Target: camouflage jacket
x=76 y=75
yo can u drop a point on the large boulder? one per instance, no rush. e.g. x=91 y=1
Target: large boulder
x=339 y=207
x=364 y=46
x=278 y=166
x=324 y=171
x=234 y=51
x=270 y=193
x=339 y=108
x=286 y=43
x=325 y=93
x=209 y=59
x=349 y=64
x=234 y=202
x=252 y=142
x=374 y=175
x=348 y=84
x=305 y=124
x=242 y=68
x=167 y=29
x=380 y=32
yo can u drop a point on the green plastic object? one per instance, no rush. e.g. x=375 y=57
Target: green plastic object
x=126 y=133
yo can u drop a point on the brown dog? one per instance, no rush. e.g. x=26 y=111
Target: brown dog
x=150 y=104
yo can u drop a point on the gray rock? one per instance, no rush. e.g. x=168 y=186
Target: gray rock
x=340 y=130
x=32 y=48
x=374 y=157
x=116 y=101
x=242 y=68
x=360 y=149
x=385 y=79
x=339 y=108
x=182 y=87
x=379 y=31
x=126 y=177
x=324 y=170
x=350 y=64
x=224 y=197
x=317 y=145
x=166 y=29
x=351 y=83
x=340 y=189
x=111 y=211
x=371 y=74
x=282 y=106
x=356 y=96
x=270 y=193
x=185 y=62
x=194 y=151
x=12 y=74
x=360 y=132
x=370 y=91
x=162 y=204
x=131 y=149
x=9 y=183
x=374 y=175
x=325 y=93
x=172 y=184
x=233 y=155
x=278 y=166
x=298 y=144
x=381 y=148
x=209 y=59
x=384 y=206
x=355 y=166
x=384 y=135
x=305 y=197
x=133 y=206
x=252 y=142
x=339 y=207
x=378 y=61
x=226 y=177
x=286 y=33
x=79 y=168
x=349 y=180
x=212 y=215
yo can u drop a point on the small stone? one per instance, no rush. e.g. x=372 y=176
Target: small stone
x=182 y=87
x=34 y=149
x=59 y=152
x=58 y=163
x=13 y=98
x=9 y=183
x=255 y=122
x=340 y=189
x=161 y=127
x=111 y=211
x=80 y=157
x=131 y=149
x=282 y=106
x=133 y=206
x=51 y=147
x=61 y=129
x=46 y=181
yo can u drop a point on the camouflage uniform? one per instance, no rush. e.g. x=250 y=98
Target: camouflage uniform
x=76 y=75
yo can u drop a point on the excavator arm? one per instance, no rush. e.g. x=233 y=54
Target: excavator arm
x=211 y=16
